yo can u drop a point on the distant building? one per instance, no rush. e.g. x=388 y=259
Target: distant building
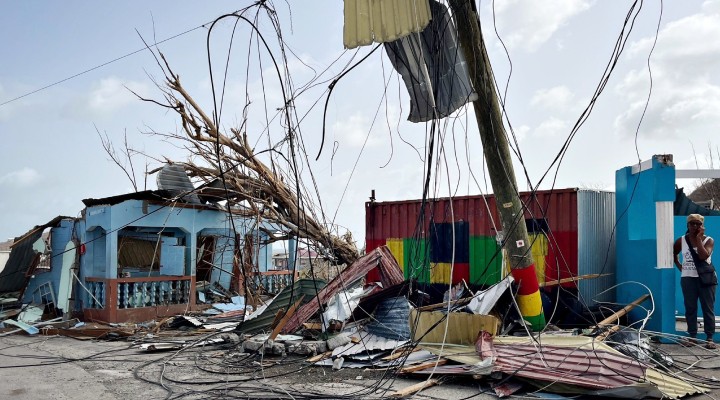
x=707 y=194
x=305 y=258
x=4 y=252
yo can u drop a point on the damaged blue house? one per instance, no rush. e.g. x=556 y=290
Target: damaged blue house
x=135 y=257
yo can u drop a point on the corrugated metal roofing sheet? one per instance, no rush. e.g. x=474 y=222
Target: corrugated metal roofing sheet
x=596 y=244
x=155 y=195
x=380 y=21
x=399 y=219
x=390 y=319
x=173 y=178
x=262 y=322
x=367 y=342
x=379 y=258
x=527 y=352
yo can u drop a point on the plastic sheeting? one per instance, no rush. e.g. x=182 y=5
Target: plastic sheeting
x=433 y=68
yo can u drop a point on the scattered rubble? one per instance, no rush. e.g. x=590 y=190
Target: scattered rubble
x=389 y=326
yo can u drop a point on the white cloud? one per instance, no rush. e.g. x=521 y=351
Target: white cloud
x=20 y=178
x=354 y=131
x=551 y=127
x=521 y=132
x=711 y=6
x=680 y=45
x=528 y=24
x=558 y=98
x=112 y=93
x=686 y=92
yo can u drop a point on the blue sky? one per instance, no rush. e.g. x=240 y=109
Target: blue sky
x=52 y=158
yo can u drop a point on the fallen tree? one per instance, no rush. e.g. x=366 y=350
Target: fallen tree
x=263 y=185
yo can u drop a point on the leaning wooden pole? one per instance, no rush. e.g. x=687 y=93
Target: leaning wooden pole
x=499 y=163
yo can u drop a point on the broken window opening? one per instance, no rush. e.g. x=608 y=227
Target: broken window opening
x=138 y=255
x=205 y=258
x=44 y=247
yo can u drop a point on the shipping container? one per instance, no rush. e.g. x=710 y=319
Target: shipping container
x=452 y=239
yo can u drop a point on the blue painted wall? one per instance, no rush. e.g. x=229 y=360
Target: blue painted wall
x=101 y=225
x=59 y=237
x=636 y=244
x=185 y=223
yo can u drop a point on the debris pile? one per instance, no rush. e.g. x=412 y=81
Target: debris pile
x=395 y=325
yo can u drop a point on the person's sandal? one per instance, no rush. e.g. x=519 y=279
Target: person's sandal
x=710 y=346
x=689 y=342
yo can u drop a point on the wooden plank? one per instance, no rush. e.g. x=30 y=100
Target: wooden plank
x=413 y=388
x=400 y=353
x=420 y=367
x=609 y=320
x=319 y=357
x=458 y=302
x=278 y=316
x=312 y=325
x=290 y=312
x=607 y=333
x=572 y=279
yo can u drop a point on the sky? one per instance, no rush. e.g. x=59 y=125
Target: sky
x=52 y=157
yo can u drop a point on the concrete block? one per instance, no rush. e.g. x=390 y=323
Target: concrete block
x=338 y=340
x=278 y=349
x=251 y=345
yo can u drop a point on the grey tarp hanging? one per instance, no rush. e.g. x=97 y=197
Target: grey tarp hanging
x=433 y=68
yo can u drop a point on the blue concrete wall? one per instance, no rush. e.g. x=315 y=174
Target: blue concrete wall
x=59 y=237
x=185 y=223
x=636 y=244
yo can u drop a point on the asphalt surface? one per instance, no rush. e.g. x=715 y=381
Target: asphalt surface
x=41 y=367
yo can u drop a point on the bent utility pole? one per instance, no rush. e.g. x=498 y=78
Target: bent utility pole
x=497 y=157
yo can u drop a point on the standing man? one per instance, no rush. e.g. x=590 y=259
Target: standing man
x=690 y=282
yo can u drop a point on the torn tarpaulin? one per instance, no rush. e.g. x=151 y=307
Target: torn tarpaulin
x=433 y=68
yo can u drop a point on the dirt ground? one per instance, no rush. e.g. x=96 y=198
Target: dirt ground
x=65 y=368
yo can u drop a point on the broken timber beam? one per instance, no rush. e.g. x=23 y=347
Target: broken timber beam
x=616 y=316
x=413 y=389
x=458 y=302
x=319 y=357
x=573 y=279
x=420 y=367
x=283 y=321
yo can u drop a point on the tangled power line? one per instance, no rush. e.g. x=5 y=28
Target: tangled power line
x=229 y=373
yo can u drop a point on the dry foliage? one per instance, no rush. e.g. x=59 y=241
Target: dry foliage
x=229 y=168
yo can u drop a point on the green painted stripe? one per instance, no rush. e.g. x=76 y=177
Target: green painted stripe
x=537 y=322
x=484 y=269
x=416 y=253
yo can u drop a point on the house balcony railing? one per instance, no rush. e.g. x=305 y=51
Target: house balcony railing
x=272 y=282
x=130 y=293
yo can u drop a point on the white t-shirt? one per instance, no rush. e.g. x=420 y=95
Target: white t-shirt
x=688 y=265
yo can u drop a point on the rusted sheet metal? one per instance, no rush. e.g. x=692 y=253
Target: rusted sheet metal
x=399 y=219
x=578 y=364
x=587 y=368
x=389 y=271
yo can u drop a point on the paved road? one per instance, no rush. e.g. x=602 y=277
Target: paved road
x=64 y=368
